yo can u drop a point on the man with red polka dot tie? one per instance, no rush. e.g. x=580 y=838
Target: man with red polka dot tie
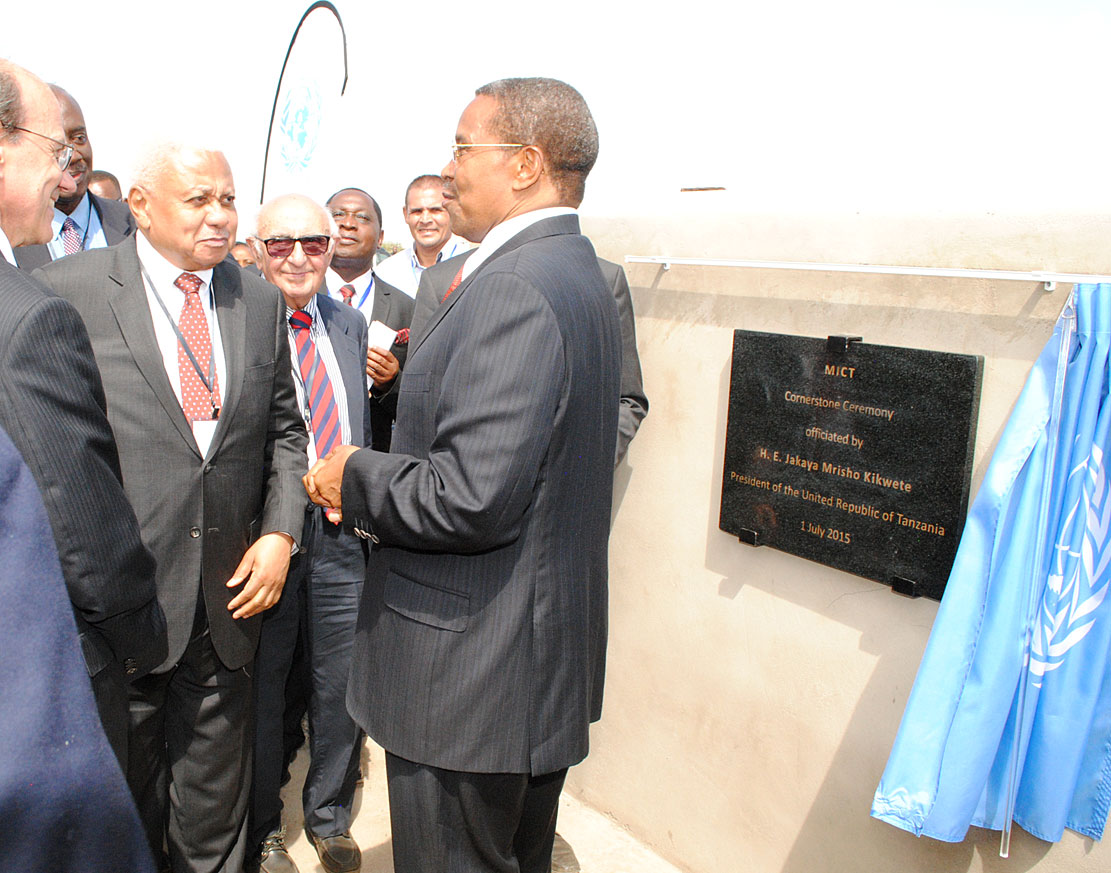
x=194 y=356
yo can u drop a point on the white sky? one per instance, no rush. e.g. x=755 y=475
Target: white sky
x=801 y=105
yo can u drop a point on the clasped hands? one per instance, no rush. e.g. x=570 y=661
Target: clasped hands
x=324 y=481
x=264 y=565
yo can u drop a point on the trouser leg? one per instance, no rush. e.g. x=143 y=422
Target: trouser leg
x=208 y=740
x=332 y=607
x=471 y=822
x=273 y=663
x=110 y=693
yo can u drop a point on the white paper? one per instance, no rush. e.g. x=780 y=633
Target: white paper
x=381 y=336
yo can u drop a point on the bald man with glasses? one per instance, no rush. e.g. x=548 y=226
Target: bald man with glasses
x=320 y=602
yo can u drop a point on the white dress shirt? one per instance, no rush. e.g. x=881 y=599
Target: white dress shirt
x=88 y=228
x=364 y=291
x=159 y=282
x=403 y=270
x=6 y=249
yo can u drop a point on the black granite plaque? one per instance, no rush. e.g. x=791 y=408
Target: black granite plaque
x=853 y=455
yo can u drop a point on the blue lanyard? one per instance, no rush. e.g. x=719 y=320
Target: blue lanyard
x=366 y=293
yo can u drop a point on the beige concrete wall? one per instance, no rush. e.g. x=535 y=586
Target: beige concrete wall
x=752 y=697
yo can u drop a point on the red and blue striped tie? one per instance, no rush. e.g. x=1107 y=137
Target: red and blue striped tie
x=318 y=387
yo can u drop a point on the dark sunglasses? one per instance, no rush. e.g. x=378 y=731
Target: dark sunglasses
x=282 y=247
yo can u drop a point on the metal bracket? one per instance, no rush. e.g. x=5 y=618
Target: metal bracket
x=838 y=345
x=749 y=537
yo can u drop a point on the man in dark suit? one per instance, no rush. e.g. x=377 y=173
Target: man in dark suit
x=351 y=280
x=320 y=601
x=63 y=801
x=195 y=363
x=634 y=402
x=480 y=651
x=81 y=219
x=52 y=405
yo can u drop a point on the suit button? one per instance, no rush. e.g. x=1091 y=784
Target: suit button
x=130 y=666
x=208 y=468
x=194 y=532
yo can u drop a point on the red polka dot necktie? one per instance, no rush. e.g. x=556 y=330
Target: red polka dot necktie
x=197 y=402
x=455 y=283
x=318 y=387
x=71 y=239
x=348 y=291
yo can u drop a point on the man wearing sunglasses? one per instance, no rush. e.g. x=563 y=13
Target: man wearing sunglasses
x=52 y=404
x=328 y=345
x=81 y=219
x=480 y=650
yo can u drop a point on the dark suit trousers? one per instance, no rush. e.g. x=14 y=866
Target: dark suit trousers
x=189 y=758
x=110 y=692
x=445 y=820
x=323 y=590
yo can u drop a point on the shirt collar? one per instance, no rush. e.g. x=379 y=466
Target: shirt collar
x=310 y=309
x=6 y=249
x=162 y=273
x=80 y=215
x=334 y=281
x=502 y=233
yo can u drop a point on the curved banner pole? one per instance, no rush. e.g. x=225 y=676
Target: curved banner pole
x=278 y=90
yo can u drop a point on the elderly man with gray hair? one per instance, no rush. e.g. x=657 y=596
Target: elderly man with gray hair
x=328 y=347
x=194 y=356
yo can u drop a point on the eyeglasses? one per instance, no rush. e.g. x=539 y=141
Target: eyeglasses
x=282 y=247
x=459 y=148
x=360 y=217
x=62 y=151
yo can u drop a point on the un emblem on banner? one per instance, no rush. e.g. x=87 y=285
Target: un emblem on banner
x=1074 y=590
x=300 y=126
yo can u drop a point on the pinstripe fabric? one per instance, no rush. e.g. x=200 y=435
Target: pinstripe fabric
x=250 y=481
x=634 y=402
x=52 y=405
x=481 y=642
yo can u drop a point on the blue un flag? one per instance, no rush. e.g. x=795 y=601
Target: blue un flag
x=1014 y=689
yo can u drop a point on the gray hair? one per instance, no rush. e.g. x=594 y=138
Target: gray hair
x=11 y=98
x=552 y=116
x=158 y=158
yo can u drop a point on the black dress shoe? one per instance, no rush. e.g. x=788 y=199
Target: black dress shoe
x=338 y=854
x=273 y=856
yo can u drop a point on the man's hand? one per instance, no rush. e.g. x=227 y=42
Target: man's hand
x=381 y=366
x=324 y=481
x=263 y=568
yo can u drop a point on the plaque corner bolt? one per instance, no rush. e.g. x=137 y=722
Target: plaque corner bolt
x=840 y=344
x=749 y=537
x=905 y=587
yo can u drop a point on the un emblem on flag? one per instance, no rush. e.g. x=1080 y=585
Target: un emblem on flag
x=300 y=126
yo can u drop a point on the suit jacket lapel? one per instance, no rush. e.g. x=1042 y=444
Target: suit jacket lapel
x=227 y=290
x=561 y=224
x=127 y=296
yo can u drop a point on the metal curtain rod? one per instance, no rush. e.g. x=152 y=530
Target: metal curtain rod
x=1048 y=279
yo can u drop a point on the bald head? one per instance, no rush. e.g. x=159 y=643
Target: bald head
x=297 y=222
x=31 y=140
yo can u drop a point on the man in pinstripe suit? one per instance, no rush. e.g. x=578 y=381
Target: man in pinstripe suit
x=480 y=651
